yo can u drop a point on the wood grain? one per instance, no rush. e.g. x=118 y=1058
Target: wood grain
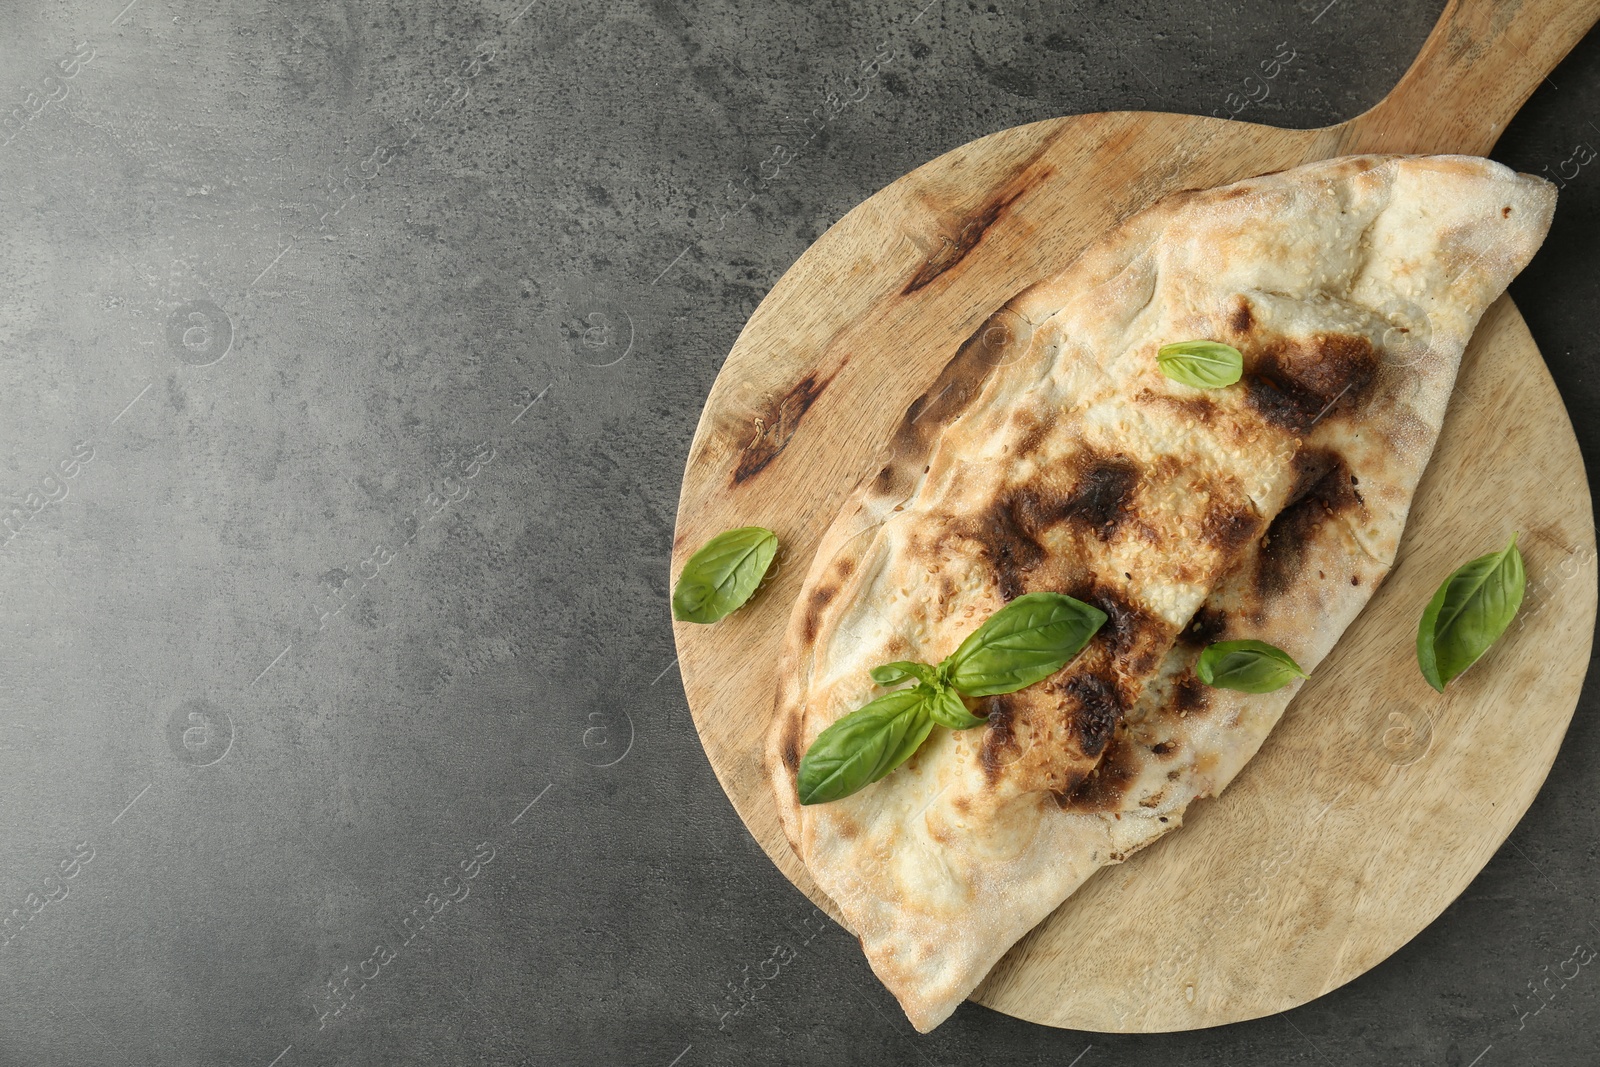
x=1376 y=800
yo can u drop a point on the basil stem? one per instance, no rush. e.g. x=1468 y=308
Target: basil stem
x=946 y=708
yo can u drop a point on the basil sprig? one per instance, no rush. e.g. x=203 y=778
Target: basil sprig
x=1246 y=666
x=1027 y=640
x=1202 y=364
x=720 y=577
x=1469 y=613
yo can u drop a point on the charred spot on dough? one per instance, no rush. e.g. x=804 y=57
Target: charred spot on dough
x=1336 y=490
x=1190 y=694
x=1095 y=705
x=1033 y=436
x=1242 y=318
x=971 y=231
x=1322 y=474
x=1284 y=547
x=1206 y=626
x=1229 y=527
x=897 y=647
x=1275 y=402
x=789 y=745
x=1310 y=466
x=999 y=740
x=883 y=483
x=1104 y=494
x=778 y=421
x=1010 y=532
x=1125 y=621
x=1105 y=786
x=949 y=395
x=1146 y=533
x=1099 y=501
x=820 y=597
x=1201 y=409
x=845 y=566
x=1294 y=383
x=1071 y=779
x=1164 y=748
x=1005 y=535
x=1322 y=492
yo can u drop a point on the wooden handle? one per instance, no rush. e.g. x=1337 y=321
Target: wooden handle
x=1477 y=67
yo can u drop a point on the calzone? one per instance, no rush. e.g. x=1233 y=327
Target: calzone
x=1061 y=458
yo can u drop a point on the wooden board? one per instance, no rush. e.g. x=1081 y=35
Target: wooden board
x=1376 y=800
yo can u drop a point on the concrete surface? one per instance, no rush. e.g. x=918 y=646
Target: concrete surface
x=349 y=356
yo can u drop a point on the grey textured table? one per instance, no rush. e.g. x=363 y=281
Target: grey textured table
x=349 y=357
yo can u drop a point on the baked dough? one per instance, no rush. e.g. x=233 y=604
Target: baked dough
x=1269 y=509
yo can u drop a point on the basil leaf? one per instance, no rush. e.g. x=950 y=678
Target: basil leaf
x=1247 y=666
x=916 y=733
x=893 y=673
x=1469 y=613
x=721 y=576
x=946 y=709
x=864 y=746
x=1202 y=364
x=1027 y=640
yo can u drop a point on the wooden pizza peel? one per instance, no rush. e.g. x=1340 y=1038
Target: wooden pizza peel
x=1376 y=800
